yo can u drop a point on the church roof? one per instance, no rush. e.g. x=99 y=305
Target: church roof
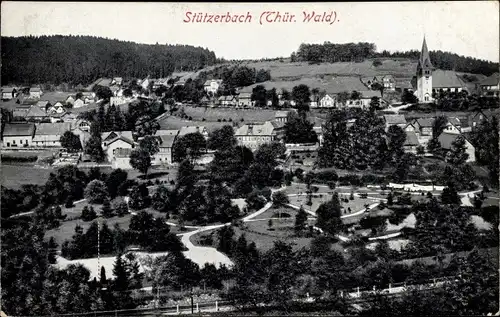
x=446 y=79
x=425 y=60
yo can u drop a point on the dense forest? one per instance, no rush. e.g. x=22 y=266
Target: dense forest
x=83 y=59
x=357 y=52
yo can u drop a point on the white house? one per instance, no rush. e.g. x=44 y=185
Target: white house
x=327 y=101
x=18 y=135
x=212 y=85
x=8 y=93
x=78 y=103
x=49 y=134
x=111 y=141
x=35 y=92
x=121 y=159
x=253 y=135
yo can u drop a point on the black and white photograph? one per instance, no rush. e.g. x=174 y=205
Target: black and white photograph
x=249 y=159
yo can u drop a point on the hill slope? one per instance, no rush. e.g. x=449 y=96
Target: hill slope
x=82 y=59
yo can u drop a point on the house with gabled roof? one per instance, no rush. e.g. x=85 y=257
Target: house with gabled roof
x=49 y=134
x=164 y=155
x=8 y=93
x=253 y=135
x=111 y=141
x=395 y=119
x=36 y=114
x=18 y=135
x=411 y=142
x=490 y=86
x=212 y=85
x=446 y=140
x=35 y=92
x=193 y=129
x=245 y=99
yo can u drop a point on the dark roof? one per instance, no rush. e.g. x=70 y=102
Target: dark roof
x=35 y=111
x=425 y=59
x=53 y=128
x=391 y=119
x=167 y=140
x=446 y=79
x=425 y=122
x=446 y=139
x=493 y=80
x=411 y=139
x=17 y=129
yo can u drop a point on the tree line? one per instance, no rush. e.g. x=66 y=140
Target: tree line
x=358 y=52
x=82 y=59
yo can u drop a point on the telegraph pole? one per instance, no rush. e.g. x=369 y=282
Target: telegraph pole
x=99 y=248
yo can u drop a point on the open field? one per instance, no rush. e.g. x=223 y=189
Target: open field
x=214 y=114
x=14 y=176
x=355 y=205
x=399 y=68
x=67 y=228
x=171 y=122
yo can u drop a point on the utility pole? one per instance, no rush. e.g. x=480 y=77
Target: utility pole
x=99 y=248
x=192 y=305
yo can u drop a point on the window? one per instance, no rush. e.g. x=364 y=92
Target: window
x=13 y=142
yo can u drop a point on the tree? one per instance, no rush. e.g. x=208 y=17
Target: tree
x=71 y=142
x=121 y=283
x=329 y=215
x=299 y=130
x=408 y=97
x=102 y=92
x=259 y=95
x=403 y=166
x=188 y=146
x=88 y=214
x=438 y=126
x=300 y=220
x=139 y=197
x=114 y=180
x=396 y=139
x=450 y=195
x=336 y=147
x=106 y=209
x=342 y=97
x=146 y=125
x=96 y=192
x=103 y=279
x=279 y=199
x=375 y=103
x=150 y=144
x=140 y=159
x=222 y=139
x=262 y=75
x=457 y=155
x=93 y=147
x=301 y=95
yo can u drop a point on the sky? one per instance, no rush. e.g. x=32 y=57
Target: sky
x=466 y=28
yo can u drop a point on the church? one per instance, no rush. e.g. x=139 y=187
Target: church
x=430 y=80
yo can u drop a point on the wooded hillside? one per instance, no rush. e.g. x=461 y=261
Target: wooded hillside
x=83 y=59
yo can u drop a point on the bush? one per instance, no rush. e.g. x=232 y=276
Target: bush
x=88 y=214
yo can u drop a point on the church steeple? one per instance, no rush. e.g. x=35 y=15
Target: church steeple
x=425 y=60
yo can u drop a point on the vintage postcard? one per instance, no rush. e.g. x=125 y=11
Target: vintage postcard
x=240 y=159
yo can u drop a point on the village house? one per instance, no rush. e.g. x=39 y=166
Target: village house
x=164 y=155
x=394 y=119
x=49 y=134
x=117 y=81
x=20 y=111
x=114 y=90
x=212 y=85
x=453 y=125
x=43 y=104
x=8 y=93
x=36 y=114
x=78 y=103
x=70 y=100
x=121 y=159
x=245 y=99
x=446 y=139
x=481 y=115
x=327 y=101
x=57 y=108
x=253 y=135
x=35 y=92
x=18 y=135
x=411 y=142
x=88 y=97
x=227 y=101
x=490 y=86
x=364 y=100
x=193 y=129
x=281 y=116
x=111 y=141
x=424 y=128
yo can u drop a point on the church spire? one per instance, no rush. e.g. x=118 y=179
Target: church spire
x=425 y=60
